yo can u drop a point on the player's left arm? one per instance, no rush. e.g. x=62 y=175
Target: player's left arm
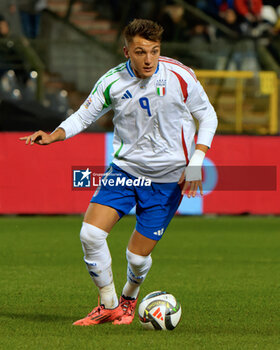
x=203 y=111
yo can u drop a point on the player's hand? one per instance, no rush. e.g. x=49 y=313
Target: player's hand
x=192 y=174
x=40 y=137
x=191 y=187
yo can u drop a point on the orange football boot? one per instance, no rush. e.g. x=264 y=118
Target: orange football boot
x=100 y=315
x=128 y=306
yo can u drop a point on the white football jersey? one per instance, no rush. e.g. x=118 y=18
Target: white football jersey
x=153 y=118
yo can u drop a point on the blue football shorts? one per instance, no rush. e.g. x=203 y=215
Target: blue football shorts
x=156 y=203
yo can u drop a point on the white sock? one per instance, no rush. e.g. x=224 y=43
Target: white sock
x=108 y=296
x=138 y=267
x=98 y=261
x=130 y=290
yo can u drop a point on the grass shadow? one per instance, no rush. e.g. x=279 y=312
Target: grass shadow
x=37 y=317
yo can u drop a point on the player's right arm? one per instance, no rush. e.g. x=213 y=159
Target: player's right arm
x=42 y=138
x=92 y=109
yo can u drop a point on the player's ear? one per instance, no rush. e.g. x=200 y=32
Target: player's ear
x=125 y=51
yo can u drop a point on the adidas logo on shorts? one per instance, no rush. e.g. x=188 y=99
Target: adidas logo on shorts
x=159 y=232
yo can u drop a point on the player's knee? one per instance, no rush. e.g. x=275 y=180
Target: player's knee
x=138 y=261
x=92 y=236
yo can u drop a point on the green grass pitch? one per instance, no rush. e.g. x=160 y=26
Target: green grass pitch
x=223 y=270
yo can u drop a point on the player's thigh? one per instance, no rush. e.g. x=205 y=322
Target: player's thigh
x=140 y=245
x=101 y=216
x=155 y=211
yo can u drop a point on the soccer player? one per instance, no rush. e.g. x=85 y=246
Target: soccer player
x=154 y=100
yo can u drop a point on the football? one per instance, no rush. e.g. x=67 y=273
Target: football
x=159 y=311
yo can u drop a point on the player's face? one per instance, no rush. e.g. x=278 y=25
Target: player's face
x=144 y=55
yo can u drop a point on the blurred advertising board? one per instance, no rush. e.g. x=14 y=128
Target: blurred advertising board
x=240 y=175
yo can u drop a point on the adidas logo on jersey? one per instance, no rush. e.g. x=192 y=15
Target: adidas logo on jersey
x=126 y=95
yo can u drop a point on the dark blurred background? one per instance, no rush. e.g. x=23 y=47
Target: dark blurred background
x=52 y=53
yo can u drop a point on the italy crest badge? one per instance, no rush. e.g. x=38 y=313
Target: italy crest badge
x=161 y=87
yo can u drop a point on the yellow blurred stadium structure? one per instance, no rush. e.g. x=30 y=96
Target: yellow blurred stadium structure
x=245 y=101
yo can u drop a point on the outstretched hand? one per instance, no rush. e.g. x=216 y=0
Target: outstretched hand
x=40 y=137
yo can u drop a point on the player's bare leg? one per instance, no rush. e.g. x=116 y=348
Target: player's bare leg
x=141 y=245
x=139 y=263
x=98 y=222
x=101 y=216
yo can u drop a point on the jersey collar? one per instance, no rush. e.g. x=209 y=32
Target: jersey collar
x=130 y=70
